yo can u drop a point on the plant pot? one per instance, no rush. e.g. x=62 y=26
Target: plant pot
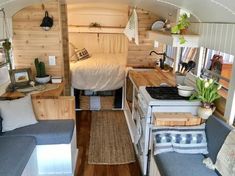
x=43 y=80
x=183 y=31
x=205 y=113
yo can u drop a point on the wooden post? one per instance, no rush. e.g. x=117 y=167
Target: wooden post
x=230 y=104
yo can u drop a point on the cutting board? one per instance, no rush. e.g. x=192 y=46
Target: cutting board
x=175 y=119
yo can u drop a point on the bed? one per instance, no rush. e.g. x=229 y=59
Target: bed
x=100 y=72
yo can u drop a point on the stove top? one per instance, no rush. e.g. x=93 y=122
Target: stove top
x=165 y=93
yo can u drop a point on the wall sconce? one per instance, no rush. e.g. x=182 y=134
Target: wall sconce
x=47 y=22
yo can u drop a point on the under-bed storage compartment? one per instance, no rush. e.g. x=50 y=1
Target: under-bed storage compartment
x=101 y=100
x=106 y=102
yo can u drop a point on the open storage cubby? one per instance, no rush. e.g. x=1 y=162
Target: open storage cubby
x=108 y=99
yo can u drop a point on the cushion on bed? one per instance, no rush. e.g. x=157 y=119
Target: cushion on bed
x=47 y=131
x=82 y=54
x=0 y=125
x=177 y=164
x=14 y=154
x=17 y=113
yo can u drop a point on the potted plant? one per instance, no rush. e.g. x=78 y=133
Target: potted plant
x=207 y=93
x=7 y=47
x=181 y=27
x=41 y=76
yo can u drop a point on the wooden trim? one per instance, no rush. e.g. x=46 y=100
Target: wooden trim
x=50 y=109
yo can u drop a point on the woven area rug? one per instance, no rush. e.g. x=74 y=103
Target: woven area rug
x=110 y=142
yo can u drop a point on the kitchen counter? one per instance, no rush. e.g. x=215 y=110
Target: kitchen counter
x=152 y=77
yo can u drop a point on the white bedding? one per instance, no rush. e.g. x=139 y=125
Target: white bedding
x=100 y=72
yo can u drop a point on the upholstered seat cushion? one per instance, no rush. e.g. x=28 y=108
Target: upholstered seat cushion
x=14 y=154
x=177 y=164
x=216 y=132
x=47 y=131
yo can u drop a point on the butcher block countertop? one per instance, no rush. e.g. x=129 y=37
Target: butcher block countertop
x=151 y=77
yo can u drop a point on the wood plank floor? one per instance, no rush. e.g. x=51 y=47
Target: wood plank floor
x=85 y=169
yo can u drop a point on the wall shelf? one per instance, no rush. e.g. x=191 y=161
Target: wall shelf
x=87 y=29
x=167 y=38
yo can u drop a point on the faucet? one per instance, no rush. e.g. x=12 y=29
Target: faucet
x=161 y=60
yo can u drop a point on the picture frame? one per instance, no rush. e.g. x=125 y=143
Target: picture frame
x=21 y=77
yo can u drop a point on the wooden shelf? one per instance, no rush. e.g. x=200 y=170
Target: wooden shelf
x=54 y=93
x=192 y=40
x=87 y=29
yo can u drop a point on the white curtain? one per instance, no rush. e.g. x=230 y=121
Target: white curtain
x=113 y=43
x=9 y=27
x=4 y=79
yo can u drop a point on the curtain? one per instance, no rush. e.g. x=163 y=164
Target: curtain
x=113 y=43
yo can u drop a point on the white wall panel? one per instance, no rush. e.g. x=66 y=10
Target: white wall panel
x=9 y=26
x=216 y=36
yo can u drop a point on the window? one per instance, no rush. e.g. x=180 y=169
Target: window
x=188 y=55
x=171 y=53
x=218 y=65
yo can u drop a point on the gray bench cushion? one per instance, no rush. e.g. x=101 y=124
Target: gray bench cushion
x=216 y=132
x=47 y=131
x=14 y=154
x=176 y=164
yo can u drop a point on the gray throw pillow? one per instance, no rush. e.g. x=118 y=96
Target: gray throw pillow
x=0 y=125
x=17 y=113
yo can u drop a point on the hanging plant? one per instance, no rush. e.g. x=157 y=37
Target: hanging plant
x=181 y=27
x=7 y=47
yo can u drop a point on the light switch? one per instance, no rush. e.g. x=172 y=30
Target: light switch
x=52 y=60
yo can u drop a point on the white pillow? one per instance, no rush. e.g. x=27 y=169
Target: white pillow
x=17 y=113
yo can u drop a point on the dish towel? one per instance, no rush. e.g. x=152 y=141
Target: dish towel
x=225 y=162
x=131 y=30
x=95 y=103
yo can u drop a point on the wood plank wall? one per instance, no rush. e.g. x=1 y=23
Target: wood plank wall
x=138 y=56
x=30 y=41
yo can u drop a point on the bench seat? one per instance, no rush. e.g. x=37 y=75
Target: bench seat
x=15 y=153
x=47 y=132
x=177 y=164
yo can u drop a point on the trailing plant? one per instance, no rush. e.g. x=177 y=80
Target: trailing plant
x=206 y=92
x=182 y=24
x=182 y=40
x=7 y=47
x=40 y=68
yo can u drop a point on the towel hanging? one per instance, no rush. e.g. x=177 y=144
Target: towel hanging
x=131 y=30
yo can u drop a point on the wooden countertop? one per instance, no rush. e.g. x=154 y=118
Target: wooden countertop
x=152 y=77
x=54 y=93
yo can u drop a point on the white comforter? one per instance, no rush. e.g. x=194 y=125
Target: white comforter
x=100 y=72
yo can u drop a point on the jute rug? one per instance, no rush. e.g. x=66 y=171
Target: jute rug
x=110 y=142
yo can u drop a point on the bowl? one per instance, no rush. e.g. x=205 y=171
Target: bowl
x=43 y=80
x=185 y=91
